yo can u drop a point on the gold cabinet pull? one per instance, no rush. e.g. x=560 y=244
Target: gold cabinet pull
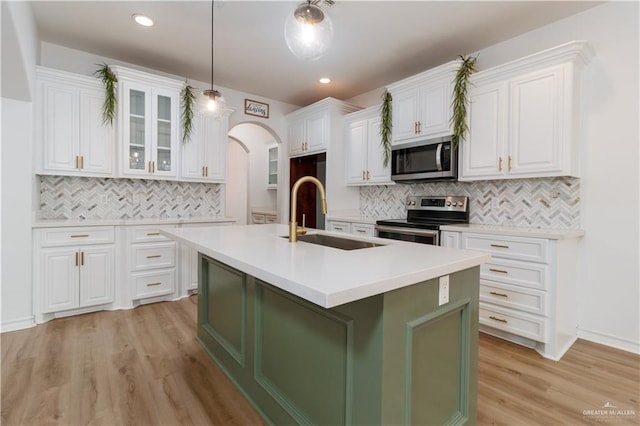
x=153 y=163
x=152 y=234
x=501 y=271
x=415 y=127
x=368 y=175
x=498 y=294
x=363 y=176
x=203 y=175
x=154 y=256
x=82 y=161
x=76 y=258
x=206 y=171
x=500 y=164
x=419 y=126
x=77 y=162
x=81 y=258
x=80 y=236
x=498 y=319
x=509 y=163
x=499 y=246
x=152 y=284
x=362 y=231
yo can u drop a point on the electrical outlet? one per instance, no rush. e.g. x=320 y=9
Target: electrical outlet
x=179 y=199
x=443 y=293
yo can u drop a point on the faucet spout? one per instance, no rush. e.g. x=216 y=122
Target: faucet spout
x=294 y=229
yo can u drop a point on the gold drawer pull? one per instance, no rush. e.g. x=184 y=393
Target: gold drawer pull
x=152 y=284
x=80 y=236
x=499 y=294
x=502 y=271
x=154 y=256
x=499 y=246
x=498 y=319
x=152 y=234
x=362 y=231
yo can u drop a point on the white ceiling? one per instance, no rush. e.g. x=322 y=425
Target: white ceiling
x=375 y=42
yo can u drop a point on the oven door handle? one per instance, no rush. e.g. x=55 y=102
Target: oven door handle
x=407 y=231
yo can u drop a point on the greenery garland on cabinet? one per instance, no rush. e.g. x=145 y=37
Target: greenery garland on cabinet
x=460 y=100
x=109 y=81
x=385 y=127
x=187 y=100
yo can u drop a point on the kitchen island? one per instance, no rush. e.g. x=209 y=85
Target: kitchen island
x=318 y=335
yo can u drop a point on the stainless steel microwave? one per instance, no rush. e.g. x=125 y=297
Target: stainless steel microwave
x=433 y=159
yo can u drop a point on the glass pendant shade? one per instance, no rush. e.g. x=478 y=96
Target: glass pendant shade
x=308 y=31
x=215 y=103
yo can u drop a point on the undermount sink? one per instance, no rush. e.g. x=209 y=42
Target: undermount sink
x=336 y=242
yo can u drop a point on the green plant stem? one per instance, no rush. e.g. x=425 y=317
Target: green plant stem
x=109 y=80
x=460 y=99
x=187 y=101
x=386 y=125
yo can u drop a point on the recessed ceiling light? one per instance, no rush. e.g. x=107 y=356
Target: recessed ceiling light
x=143 y=20
x=325 y=80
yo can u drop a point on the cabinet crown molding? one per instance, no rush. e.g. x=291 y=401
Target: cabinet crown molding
x=445 y=70
x=124 y=73
x=341 y=106
x=56 y=76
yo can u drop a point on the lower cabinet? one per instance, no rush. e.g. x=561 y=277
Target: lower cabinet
x=151 y=262
x=355 y=228
x=259 y=218
x=527 y=290
x=75 y=267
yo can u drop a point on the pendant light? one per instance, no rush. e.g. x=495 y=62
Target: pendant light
x=216 y=102
x=308 y=31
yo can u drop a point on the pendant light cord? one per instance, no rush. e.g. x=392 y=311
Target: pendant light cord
x=212 y=44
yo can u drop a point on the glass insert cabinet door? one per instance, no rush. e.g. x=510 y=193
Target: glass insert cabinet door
x=138 y=117
x=163 y=134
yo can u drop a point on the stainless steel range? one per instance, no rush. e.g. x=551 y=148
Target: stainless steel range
x=425 y=215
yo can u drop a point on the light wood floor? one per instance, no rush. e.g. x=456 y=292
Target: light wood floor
x=143 y=366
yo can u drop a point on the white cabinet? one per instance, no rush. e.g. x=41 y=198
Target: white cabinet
x=522 y=117
x=272 y=178
x=75 y=267
x=151 y=262
x=309 y=132
x=261 y=218
x=354 y=228
x=422 y=104
x=148 y=111
x=527 y=290
x=363 y=149
x=71 y=136
x=204 y=155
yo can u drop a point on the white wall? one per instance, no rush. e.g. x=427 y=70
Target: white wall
x=609 y=298
x=19 y=51
x=236 y=188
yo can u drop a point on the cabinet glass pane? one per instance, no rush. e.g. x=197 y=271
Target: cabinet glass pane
x=136 y=157
x=136 y=106
x=273 y=179
x=164 y=108
x=164 y=160
x=273 y=154
x=164 y=134
x=136 y=131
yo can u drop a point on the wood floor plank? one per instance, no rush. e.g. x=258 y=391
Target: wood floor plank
x=144 y=366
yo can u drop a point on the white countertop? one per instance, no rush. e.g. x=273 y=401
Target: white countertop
x=322 y=275
x=551 y=234
x=56 y=223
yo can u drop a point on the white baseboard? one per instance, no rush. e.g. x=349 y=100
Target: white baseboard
x=17 y=324
x=607 y=340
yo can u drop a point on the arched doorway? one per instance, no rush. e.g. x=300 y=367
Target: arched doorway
x=253 y=141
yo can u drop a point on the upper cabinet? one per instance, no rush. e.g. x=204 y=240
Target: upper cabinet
x=422 y=104
x=522 y=117
x=363 y=150
x=204 y=155
x=272 y=178
x=309 y=133
x=71 y=136
x=148 y=111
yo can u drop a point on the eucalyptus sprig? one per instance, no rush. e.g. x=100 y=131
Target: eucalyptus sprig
x=460 y=101
x=109 y=80
x=187 y=100
x=386 y=125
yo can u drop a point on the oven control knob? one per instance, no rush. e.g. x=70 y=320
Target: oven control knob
x=449 y=203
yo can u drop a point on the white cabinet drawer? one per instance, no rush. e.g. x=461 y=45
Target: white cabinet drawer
x=337 y=226
x=156 y=255
x=363 y=229
x=531 y=275
x=521 y=324
x=518 y=248
x=258 y=218
x=269 y=219
x=143 y=234
x=52 y=237
x=156 y=283
x=521 y=299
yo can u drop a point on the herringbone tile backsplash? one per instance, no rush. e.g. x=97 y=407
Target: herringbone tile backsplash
x=544 y=203
x=63 y=197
